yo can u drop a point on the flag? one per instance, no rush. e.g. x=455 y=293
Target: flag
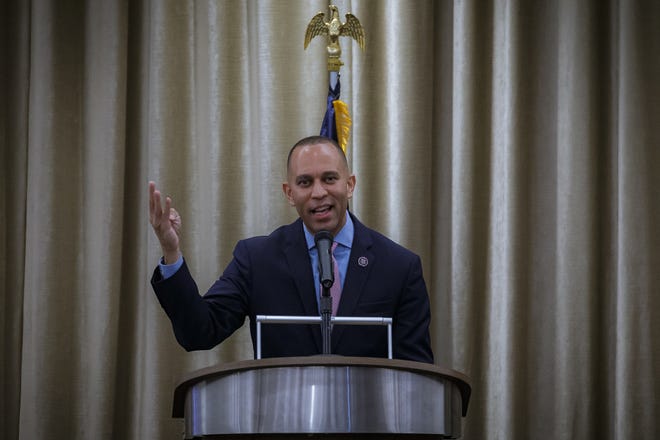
x=337 y=121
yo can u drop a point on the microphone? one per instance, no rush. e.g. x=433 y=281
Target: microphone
x=323 y=240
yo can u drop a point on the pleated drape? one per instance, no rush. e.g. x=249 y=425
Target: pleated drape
x=512 y=144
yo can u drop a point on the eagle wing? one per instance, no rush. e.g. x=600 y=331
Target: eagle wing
x=353 y=28
x=317 y=26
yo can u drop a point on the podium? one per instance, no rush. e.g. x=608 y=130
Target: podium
x=322 y=397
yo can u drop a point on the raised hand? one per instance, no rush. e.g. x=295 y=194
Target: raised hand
x=166 y=224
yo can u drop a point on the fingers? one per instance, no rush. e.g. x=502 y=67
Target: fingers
x=168 y=208
x=158 y=216
x=175 y=220
x=165 y=222
x=155 y=208
x=156 y=211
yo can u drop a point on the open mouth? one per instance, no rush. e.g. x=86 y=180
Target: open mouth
x=321 y=210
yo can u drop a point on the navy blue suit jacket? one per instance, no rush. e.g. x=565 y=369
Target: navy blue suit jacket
x=272 y=275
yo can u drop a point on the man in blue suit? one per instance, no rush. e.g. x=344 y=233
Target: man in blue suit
x=277 y=274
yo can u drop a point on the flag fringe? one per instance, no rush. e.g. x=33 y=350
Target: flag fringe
x=343 y=122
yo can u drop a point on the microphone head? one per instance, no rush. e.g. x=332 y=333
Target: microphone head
x=323 y=240
x=323 y=235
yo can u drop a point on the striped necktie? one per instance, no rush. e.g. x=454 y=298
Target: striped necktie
x=335 y=290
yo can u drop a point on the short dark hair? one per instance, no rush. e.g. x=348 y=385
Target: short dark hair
x=314 y=140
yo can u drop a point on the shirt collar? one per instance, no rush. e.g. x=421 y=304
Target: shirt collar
x=344 y=238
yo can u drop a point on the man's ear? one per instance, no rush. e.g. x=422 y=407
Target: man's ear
x=286 y=189
x=350 y=185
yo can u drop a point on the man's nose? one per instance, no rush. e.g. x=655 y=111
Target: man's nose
x=318 y=190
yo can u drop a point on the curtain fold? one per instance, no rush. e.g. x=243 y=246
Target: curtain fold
x=512 y=144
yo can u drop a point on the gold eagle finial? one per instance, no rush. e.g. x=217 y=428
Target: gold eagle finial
x=334 y=29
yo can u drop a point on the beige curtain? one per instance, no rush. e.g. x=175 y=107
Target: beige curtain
x=514 y=145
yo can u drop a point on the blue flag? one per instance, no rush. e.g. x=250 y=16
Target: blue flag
x=337 y=120
x=329 y=126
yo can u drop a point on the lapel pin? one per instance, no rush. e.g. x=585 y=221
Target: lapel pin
x=363 y=261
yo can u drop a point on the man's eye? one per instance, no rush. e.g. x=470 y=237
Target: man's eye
x=331 y=179
x=303 y=182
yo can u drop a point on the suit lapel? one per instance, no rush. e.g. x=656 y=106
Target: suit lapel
x=359 y=267
x=297 y=256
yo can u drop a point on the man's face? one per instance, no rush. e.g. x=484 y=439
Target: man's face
x=319 y=186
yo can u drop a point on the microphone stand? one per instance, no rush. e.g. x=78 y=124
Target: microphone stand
x=326 y=314
x=323 y=240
